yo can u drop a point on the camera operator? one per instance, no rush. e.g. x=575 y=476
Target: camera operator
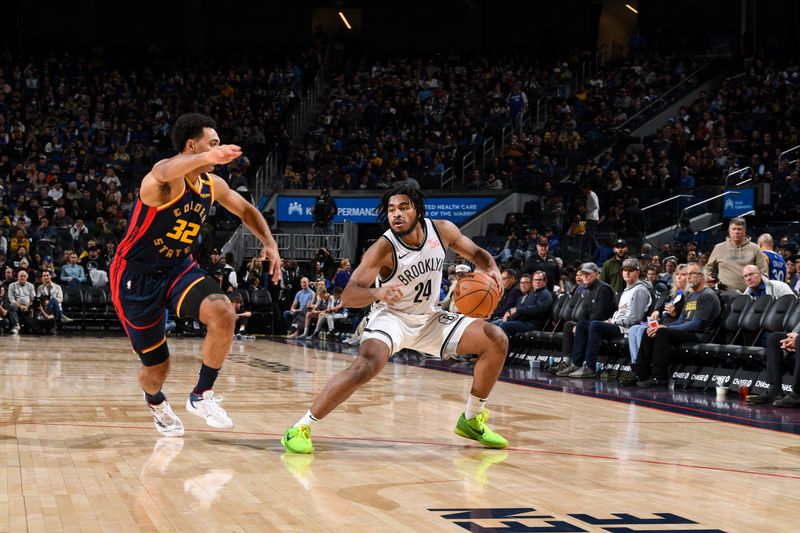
x=324 y=211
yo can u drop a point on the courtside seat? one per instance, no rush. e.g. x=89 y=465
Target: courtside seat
x=773 y=320
x=727 y=334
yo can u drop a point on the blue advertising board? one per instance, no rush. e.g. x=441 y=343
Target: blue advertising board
x=300 y=208
x=742 y=201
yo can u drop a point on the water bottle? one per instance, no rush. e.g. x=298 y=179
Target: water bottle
x=598 y=367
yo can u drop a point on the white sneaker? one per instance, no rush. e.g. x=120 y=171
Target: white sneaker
x=208 y=407
x=166 y=421
x=15 y=330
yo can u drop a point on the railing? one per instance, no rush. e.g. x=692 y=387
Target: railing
x=786 y=152
x=488 y=151
x=703 y=202
x=467 y=163
x=505 y=136
x=448 y=176
x=736 y=173
x=664 y=214
x=307 y=103
x=541 y=112
x=638 y=118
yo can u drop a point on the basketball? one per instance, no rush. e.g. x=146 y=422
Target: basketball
x=476 y=295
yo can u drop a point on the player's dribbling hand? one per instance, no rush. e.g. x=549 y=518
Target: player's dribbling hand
x=224 y=153
x=391 y=294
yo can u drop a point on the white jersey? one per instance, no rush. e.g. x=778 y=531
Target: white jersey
x=419 y=269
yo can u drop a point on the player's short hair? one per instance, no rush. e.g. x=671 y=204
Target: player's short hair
x=189 y=126
x=417 y=198
x=236 y=298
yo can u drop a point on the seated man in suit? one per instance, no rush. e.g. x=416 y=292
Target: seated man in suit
x=779 y=344
x=533 y=308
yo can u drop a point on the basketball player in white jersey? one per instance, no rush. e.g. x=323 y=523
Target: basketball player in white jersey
x=405 y=265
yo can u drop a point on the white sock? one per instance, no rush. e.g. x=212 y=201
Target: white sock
x=308 y=419
x=474 y=406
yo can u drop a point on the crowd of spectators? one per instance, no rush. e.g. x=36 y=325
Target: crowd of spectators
x=79 y=130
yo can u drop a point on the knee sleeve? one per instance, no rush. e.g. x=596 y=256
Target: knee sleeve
x=156 y=356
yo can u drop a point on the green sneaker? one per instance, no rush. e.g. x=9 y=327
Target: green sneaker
x=476 y=429
x=298 y=439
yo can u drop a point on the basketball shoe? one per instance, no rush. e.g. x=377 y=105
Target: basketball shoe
x=476 y=429
x=166 y=421
x=298 y=439
x=207 y=406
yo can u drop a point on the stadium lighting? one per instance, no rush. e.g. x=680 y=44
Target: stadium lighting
x=344 y=19
x=626 y=5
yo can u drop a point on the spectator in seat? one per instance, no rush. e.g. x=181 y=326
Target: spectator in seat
x=668 y=313
x=611 y=272
x=696 y=324
x=533 y=308
x=602 y=303
x=511 y=294
x=759 y=285
x=5 y=315
x=242 y=315
x=794 y=278
x=448 y=303
x=543 y=260
x=51 y=296
x=653 y=277
x=20 y=296
x=72 y=273
x=298 y=308
x=321 y=302
x=779 y=346
x=329 y=316
x=343 y=274
x=633 y=304
x=729 y=257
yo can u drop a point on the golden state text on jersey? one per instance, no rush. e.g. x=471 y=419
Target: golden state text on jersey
x=165 y=235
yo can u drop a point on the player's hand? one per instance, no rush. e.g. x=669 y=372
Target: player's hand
x=391 y=294
x=222 y=154
x=498 y=279
x=270 y=252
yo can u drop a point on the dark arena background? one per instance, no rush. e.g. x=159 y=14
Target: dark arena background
x=624 y=163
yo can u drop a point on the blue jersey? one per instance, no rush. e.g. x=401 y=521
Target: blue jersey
x=776 y=266
x=159 y=238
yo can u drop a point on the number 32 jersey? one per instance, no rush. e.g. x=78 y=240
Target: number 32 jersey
x=418 y=268
x=161 y=237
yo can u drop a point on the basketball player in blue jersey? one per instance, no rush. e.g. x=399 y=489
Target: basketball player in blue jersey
x=405 y=265
x=154 y=269
x=776 y=266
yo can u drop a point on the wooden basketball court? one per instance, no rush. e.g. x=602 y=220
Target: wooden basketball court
x=81 y=453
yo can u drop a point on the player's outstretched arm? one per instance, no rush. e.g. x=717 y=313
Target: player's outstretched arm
x=175 y=168
x=236 y=204
x=462 y=244
x=358 y=293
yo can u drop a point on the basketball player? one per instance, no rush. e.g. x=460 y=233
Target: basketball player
x=406 y=267
x=776 y=266
x=154 y=269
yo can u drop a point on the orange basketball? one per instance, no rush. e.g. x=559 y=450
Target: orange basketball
x=476 y=295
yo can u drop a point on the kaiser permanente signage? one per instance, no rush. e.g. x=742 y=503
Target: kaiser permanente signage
x=454 y=209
